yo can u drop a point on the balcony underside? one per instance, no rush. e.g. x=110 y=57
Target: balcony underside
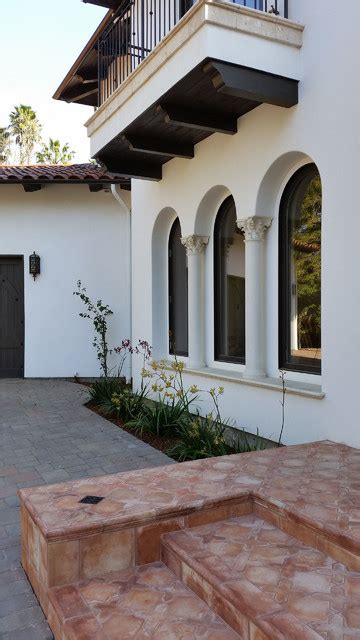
x=207 y=100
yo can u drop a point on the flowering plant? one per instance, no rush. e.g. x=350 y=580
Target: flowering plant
x=171 y=413
x=126 y=348
x=98 y=313
x=125 y=403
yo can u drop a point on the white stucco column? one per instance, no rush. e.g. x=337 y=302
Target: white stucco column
x=195 y=250
x=254 y=229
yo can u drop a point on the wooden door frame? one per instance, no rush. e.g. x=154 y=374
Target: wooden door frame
x=21 y=259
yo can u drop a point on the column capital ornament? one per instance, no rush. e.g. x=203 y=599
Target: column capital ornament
x=254 y=227
x=194 y=244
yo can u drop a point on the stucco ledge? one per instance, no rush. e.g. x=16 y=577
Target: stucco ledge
x=303 y=389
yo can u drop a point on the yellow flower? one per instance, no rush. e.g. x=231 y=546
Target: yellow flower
x=154 y=365
x=155 y=387
x=221 y=390
x=194 y=388
x=212 y=391
x=178 y=366
x=162 y=363
x=179 y=393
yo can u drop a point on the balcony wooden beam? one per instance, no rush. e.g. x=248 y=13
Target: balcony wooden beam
x=157 y=146
x=251 y=84
x=128 y=169
x=212 y=121
x=81 y=96
x=31 y=186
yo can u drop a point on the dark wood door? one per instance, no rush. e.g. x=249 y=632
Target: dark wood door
x=11 y=317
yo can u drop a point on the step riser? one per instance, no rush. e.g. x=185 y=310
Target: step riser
x=258 y=606
x=204 y=590
x=334 y=546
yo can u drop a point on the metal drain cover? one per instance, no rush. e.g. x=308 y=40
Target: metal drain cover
x=91 y=500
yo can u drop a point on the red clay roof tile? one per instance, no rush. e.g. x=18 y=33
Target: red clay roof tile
x=83 y=173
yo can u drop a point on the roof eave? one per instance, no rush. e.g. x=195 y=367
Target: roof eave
x=86 y=50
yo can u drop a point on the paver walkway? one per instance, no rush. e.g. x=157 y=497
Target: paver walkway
x=47 y=436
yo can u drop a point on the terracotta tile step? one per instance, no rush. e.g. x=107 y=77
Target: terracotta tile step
x=264 y=583
x=140 y=603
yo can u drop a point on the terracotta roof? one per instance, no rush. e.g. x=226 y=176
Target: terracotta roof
x=45 y=173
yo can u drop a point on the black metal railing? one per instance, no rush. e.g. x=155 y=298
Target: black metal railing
x=137 y=28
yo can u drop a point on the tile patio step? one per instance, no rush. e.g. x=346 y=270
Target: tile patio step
x=264 y=583
x=142 y=603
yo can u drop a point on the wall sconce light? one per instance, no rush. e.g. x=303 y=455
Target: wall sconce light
x=34 y=265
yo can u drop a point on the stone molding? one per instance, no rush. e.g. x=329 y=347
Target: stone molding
x=194 y=245
x=254 y=227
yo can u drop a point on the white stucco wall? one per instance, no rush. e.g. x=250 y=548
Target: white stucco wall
x=254 y=166
x=78 y=235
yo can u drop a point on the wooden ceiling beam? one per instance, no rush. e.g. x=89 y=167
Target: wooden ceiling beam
x=251 y=84
x=85 y=79
x=159 y=146
x=216 y=122
x=31 y=186
x=128 y=169
x=81 y=96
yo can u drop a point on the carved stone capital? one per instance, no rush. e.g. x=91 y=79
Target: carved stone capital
x=254 y=227
x=194 y=244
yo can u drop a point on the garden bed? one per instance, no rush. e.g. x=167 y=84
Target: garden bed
x=165 y=414
x=163 y=443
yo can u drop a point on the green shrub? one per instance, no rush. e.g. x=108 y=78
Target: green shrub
x=204 y=437
x=160 y=418
x=200 y=437
x=126 y=404
x=102 y=390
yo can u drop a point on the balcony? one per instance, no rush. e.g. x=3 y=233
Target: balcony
x=139 y=26
x=167 y=74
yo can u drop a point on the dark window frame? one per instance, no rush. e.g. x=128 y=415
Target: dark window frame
x=171 y=306
x=286 y=205
x=218 y=287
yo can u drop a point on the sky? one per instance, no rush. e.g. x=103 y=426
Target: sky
x=40 y=40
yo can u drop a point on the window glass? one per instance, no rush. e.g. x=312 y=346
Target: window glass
x=300 y=260
x=229 y=266
x=178 y=293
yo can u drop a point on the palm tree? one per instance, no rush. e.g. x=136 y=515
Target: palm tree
x=54 y=153
x=5 y=149
x=25 y=127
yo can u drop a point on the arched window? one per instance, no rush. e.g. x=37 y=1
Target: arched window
x=300 y=273
x=178 y=293
x=229 y=281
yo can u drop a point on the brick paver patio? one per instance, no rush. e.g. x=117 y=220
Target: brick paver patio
x=47 y=436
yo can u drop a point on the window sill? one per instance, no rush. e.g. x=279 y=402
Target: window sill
x=304 y=389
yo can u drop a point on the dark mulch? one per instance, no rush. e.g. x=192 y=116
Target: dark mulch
x=162 y=444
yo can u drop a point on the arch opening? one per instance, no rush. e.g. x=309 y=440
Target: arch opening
x=300 y=272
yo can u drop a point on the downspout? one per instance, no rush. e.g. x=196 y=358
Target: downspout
x=116 y=192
